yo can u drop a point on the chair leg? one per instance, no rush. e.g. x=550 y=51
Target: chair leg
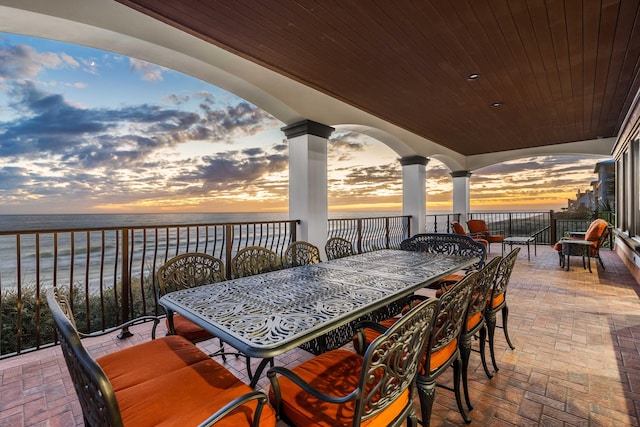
x=483 y=357
x=600 y=259
x=491 y=330
x=505 y=318
x=456 y=390
x=427 y=395
x=465 y=353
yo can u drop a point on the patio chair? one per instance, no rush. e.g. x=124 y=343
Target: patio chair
x=301 y=253
x=254 y=260
x=478 y=228
x=459 y=229
x=451 y=244
x=166 y=381
x=342 y=388
x=188 y=271
x=475 y=322
x=443 y=346
x=597 y=233
x=337 y=247
x=498 y=303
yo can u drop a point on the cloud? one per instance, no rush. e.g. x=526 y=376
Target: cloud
x=20 y=62
x=148 y=71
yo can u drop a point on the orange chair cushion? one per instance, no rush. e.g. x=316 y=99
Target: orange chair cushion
x=336 y=373
x=139 y=363
x=438 y=358
x=458 y=228
x=442 y=356
x=169 y=381
x=496 y=301
x=595 y=230
x=188 y=329
x=474 y=320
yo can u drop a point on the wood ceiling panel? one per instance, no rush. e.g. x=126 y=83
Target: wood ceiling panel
x=566 y=70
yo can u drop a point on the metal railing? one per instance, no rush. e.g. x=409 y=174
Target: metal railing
x=369 y=234
x=109 y=272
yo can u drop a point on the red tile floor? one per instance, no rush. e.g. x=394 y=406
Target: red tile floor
x=576 y=362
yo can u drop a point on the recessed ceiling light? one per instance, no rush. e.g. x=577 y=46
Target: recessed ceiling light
x=473 y=76
x=497 y=104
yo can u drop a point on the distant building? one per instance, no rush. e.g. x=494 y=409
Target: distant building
x=601 y=196
x=604 y=187
x=583 y=201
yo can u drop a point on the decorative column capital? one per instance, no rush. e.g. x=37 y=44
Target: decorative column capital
x=460 y=174
x=307 y=127
x=414 y=160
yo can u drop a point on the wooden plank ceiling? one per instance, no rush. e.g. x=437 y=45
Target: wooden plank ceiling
x=562 y=70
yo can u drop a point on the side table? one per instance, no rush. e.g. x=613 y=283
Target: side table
x=576 y=248
x=516 y=240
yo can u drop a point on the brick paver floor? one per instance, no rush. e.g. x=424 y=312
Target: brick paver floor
x=576 y=362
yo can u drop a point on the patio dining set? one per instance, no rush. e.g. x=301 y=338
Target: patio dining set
x=376 y=339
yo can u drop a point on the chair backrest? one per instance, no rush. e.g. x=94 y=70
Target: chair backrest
x=93 y=388
x=450 y=244
x=482 y=290
x=478 y=226
x=458 y=228
x=337 y=247
x=449 y=322
x=254 y=260
x=501 y=281
x=188 y=271
x=301 y=253
x=392 y=360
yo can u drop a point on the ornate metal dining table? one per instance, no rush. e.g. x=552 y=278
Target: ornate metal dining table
x=268 y=314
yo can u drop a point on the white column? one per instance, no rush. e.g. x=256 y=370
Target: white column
x=461 y=202
x=414 y=192
x=308 y=199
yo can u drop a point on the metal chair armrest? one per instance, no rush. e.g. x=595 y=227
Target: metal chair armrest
x=260 y=396
x=271 y=373
x=137 y=320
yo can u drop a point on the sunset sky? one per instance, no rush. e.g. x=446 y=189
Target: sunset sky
x=88 y=131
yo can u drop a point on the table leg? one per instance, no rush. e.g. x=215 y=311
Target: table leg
x=256 y=375
x=528 y=252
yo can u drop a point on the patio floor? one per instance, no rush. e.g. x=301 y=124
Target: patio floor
x=576 y=362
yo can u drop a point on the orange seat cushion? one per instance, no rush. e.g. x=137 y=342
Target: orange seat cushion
x=438 y=357
x=335 y=373
x=169 y=381
x=188 y=329
x=139 y=363
x=497 y=300
x=441 y=356
x=474 y=320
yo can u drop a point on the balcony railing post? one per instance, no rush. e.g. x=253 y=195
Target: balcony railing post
x=387 y=227
x=359 y=235
x=228 y=232
x=126 y=283
x=554 y=225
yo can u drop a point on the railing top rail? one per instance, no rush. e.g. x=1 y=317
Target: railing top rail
x=369 y=217
x=141 y=226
